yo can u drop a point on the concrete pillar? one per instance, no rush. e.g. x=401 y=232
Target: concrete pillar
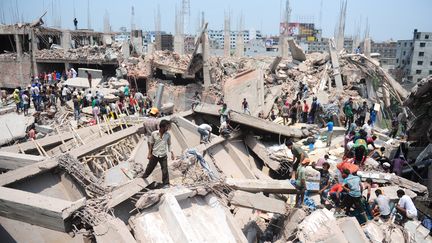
x=283 y=46
x=159 y=94
x=367 y=47
x=66 y=40
x=179 y=44
x=34 y=49
x=125 y=49
x=91 y=40
x=240 y=46
x=206 y=55
x=18 y=46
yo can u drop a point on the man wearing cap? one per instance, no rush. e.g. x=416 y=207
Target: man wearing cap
x=159 y=146
x=151 y=123
x=298 y=154
x=300 y=182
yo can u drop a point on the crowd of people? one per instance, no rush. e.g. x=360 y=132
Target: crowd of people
x=346 y=191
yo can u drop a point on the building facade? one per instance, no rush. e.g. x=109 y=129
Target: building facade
x=414 y=57
x=217 y=37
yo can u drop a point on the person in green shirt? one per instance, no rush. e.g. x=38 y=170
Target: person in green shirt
x=298 y=154
x=300 y=182
x=126 y=91
x=349 y=114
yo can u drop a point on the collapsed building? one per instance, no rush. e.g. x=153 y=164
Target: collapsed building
x=84 y=183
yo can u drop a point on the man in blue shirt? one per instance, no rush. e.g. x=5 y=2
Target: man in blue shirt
x=352 y=185
x=329 y=132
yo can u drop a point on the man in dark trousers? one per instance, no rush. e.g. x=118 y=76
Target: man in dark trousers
x=89 y=78
x=75 y=23
x=159 y=146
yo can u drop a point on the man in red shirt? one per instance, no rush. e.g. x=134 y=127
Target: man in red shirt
x=305 y=111
x=335 y=193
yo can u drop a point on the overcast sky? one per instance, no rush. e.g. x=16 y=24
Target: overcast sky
x=388 y=19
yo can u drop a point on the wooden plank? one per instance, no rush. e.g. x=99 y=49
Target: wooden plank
x=254 y=122
x=257 y=201
x=254 y=185
x=260 y=150
x=128 y=190
x=27 y=171
x=103 y=141
x=12 y=161
x=48 y=141
x=36 y=209
x=113 y=230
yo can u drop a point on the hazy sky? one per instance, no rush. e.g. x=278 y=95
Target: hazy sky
x=388 y=19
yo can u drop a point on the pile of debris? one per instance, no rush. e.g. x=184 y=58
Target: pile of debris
x=90 y=53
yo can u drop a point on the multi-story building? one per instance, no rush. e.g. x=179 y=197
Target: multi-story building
x=421 y=59
x=387 y=51
x=217 y=37
x=414 y=57
x=403 y=57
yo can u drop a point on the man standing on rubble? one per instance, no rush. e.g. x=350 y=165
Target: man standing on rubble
x=349 y=115
x=224 y=113
x=300 y=182
x=362 y=113
x=89 y=78
x=245 y=106
x=75 y=21
x=305 y=111
x=151 y=123
x=159 y=146
x=285 y=112
x=313 y=110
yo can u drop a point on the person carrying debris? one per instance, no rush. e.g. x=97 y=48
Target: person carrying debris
x=405 y=207
x=300 y=182
x=205 y=132
x=224 y=113
x=381 y=204
x=245 y=106
x=159 y=146
x=352 y=186
x=298 y=154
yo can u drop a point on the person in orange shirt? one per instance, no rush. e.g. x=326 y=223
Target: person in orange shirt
x=336 y=193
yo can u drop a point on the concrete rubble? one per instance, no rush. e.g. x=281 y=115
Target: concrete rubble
x=81 y=177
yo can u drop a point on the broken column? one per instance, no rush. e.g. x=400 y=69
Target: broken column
x=206 y=55
x=297 y=52
x=159 y=93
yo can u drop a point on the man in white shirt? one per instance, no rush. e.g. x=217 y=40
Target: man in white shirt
x=159 y=146
x=405 y=206
x=204 y=130
x=382 y=203
x=367 y=127
x=74 y=73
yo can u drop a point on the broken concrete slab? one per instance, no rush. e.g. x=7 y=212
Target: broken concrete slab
x=36 y=209
x=12 y=161
x=267 y=186
x=113 y=230
x=27 y=171
x=254 y=122
x=260 y=150
x=126 y=191
x=352 y=230
x=257 y=201
x=14 y=126
x=297 y=52
x=43 y=128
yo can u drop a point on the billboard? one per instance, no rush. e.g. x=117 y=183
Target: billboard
x=297 y=29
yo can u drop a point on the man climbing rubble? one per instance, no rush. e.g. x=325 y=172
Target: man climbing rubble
x=159 y=146
x=196 y=99
x=349 y=115
x=224 y=113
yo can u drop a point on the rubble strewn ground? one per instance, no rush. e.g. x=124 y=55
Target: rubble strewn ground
x=75 y=167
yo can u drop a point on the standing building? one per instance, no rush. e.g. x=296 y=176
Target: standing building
x=387 y=51
x=414 y=57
